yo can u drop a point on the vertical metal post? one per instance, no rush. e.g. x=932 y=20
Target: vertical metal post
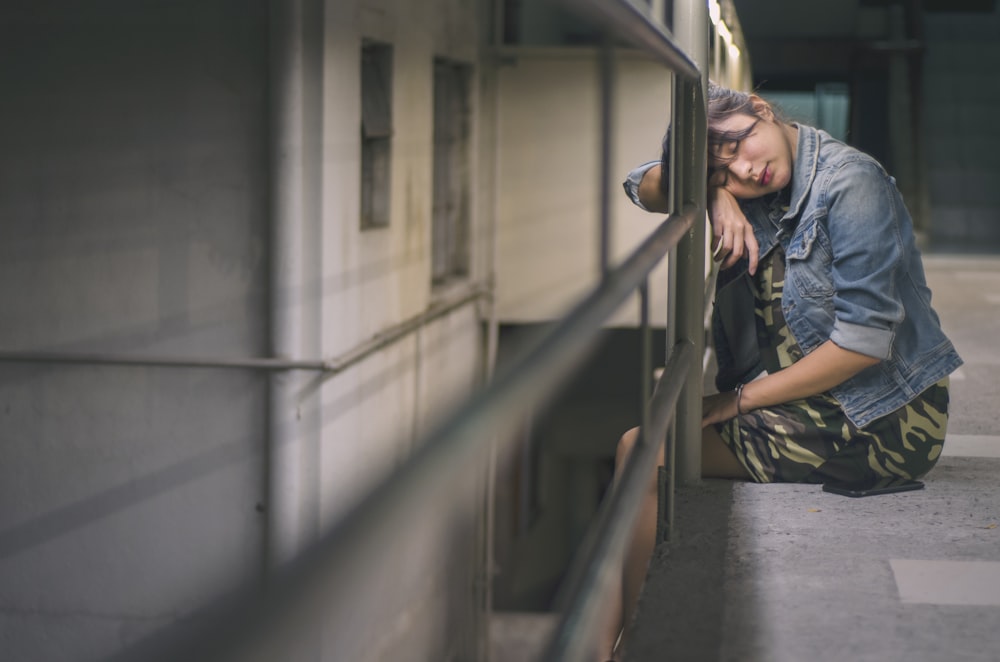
x=291 y=462
x=716 y=48
x=607 y=75
x=675 y=197
x=646 y=360
x=691 y=30
x=645 y=395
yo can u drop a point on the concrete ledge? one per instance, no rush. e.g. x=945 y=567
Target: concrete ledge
x=681 y=610
x=788 y=572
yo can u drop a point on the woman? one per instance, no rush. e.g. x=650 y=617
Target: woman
x=832 y=363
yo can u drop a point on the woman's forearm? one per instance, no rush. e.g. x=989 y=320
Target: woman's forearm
x=827 y=366
x=733 y=236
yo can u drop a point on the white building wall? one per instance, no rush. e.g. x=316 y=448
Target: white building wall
x=134 y=218
x=373 y=414
x=548 y=219
x=373 y=279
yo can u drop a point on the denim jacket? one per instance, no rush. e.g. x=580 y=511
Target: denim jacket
x=853 y=275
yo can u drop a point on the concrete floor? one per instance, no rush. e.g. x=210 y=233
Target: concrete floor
x=790 y=573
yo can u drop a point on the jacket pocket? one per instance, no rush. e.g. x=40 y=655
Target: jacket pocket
x=809 y=266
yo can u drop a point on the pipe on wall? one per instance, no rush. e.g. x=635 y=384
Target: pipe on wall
x=291 y=480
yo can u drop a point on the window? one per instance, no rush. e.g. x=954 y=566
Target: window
x=823 y=105
x=376 y=132
x=452 y=119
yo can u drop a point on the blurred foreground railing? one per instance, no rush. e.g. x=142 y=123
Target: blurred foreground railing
x=244 y=627
x=232 y=631
x=673 y=414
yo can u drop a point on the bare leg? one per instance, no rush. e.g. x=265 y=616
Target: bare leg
x=637 y=555
x=717 y=461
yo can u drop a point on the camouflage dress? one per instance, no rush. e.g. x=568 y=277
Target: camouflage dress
x=811 y=440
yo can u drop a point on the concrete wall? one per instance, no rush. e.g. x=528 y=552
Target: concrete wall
x=420 y=604
x=960 y=101
x=133 y=220
x=548 y=219
x=134 y=217
x=361 y=293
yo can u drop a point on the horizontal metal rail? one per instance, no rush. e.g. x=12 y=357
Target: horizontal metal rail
x=602 y=553
x=633 y=22
x=423 y=482
x=158 y=361
x=335 y=365
x=392 y=334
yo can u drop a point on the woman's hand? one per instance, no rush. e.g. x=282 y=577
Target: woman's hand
x=732 y=234
x=718 y=407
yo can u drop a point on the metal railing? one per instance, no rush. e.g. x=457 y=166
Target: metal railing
x=328 y=366
x=228 y=631
x=672 y=415
x=241 y=625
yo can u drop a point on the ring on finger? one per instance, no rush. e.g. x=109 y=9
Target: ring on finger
x=718 y=248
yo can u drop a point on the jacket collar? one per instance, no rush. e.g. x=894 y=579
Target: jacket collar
x=804 y=172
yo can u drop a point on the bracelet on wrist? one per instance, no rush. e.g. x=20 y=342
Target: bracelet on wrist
x=739 y=399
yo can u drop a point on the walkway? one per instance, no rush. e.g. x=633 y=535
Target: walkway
x=788 y=573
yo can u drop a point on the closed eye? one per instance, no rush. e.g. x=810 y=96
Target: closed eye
x=727 y=151
x=723 y=155
x=724 y=150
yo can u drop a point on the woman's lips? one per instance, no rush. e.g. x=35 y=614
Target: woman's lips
x=765 y=177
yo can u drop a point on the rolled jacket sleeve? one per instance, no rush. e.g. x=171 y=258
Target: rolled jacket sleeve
x=865 y=340
x=865 y=238
x=631 y=183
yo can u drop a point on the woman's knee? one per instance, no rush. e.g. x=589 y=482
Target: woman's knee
x=625 y=445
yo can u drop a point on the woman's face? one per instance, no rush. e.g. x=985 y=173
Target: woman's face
x=760 y=163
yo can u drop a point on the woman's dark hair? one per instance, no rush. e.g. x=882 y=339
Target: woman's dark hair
x=722 y=104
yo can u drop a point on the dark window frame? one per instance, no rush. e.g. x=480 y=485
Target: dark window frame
x=376 y=133
x=451 y=199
